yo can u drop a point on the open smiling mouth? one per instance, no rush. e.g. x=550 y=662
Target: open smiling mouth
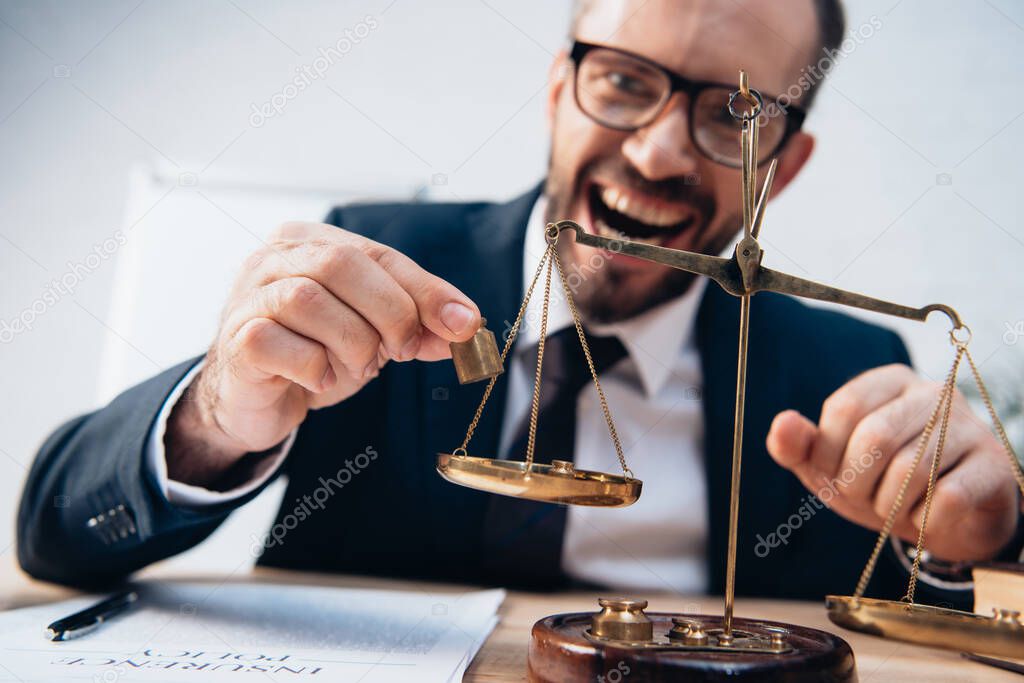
x=617 y=213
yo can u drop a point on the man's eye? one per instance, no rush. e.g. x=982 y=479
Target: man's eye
x=628 y=84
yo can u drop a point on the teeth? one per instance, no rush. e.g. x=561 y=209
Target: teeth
x=610 y=196
x=622 y=206
x=637 y=208
x=605 y=230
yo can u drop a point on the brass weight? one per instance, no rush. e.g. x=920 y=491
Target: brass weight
x=477 y=358
x=622 y=619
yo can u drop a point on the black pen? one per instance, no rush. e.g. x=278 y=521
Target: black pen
x=90 y=618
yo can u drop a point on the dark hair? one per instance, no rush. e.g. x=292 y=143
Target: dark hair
x=831 y=27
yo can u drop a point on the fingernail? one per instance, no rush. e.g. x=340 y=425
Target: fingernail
x=456 y=317
x=329 y=379
x=410 y=349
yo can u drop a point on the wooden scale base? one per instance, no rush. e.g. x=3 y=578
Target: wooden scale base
x=622 y=643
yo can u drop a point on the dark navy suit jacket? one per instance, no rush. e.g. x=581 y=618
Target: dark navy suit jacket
x=397 y=517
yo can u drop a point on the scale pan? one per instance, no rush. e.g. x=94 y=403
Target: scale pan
x=1002 y=636
x=558 y=482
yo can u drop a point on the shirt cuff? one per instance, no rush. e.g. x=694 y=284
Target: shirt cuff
x=189 y=495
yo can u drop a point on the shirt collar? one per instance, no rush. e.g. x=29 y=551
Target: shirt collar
x=654 y=339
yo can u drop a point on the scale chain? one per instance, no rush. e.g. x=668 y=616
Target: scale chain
x=922 y=445
x=535 y=404
x=996 y=422
x=590 y=363
x=513 y=331
x=548 y=261
x=949 y=392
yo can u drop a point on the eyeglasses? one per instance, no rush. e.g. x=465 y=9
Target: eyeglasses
x=624 y=91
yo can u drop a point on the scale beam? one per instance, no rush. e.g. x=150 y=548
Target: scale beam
x=729 y=274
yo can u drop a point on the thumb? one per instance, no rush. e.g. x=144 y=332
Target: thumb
x=791 y=439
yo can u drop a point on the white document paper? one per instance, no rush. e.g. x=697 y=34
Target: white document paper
x=229 y=632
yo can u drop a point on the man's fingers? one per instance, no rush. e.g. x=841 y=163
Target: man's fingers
x=263 y=349
x=354 y=277
x=892 y=480
x=864 y=449
x=443 y=309
x=881 y=435
x=307 y=308
x=790 y=438
x=392 y=292
x=790 y=442
x=978 y=496
x=433 y=347
x=844 y=409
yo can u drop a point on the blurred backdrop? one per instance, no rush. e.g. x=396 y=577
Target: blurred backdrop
x=148 y=146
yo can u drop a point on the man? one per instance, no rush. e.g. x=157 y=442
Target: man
x=309 y=373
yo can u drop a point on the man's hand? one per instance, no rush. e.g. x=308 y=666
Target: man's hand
x=312 y=317
x=864 y=445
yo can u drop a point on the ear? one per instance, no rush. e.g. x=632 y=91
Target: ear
x=794 y=155
x=558 y=77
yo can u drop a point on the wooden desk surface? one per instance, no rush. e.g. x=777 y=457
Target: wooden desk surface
x=503 y=656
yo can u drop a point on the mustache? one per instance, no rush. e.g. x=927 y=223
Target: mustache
x=685 y=188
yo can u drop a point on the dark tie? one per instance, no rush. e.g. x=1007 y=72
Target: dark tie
x=523 y=539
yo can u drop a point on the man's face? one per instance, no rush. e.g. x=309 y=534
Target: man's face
x=652 y=184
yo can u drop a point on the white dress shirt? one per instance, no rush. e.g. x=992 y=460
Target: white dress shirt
x=658 y=543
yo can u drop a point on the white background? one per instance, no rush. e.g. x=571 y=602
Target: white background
x=104 y=105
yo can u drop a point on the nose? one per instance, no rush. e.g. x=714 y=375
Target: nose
x=663 y=149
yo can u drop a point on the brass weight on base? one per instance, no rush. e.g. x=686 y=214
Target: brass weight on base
x=622 y=619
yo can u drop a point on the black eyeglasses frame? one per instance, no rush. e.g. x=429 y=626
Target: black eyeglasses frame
x=794 y=115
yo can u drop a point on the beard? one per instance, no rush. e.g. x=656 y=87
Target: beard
x=605 y=293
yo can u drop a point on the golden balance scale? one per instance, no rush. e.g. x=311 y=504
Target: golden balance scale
x=680 y=647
